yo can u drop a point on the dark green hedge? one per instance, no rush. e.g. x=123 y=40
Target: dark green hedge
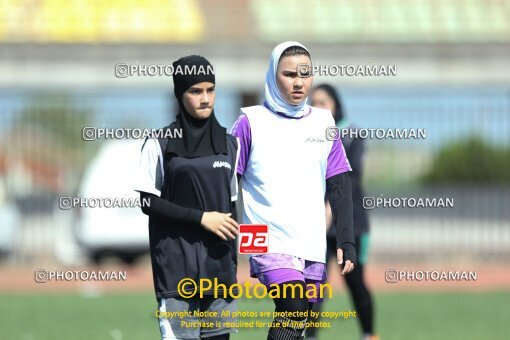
x=470 y=161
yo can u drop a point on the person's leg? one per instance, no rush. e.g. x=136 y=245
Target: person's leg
x=170 y=327
x=291 y=304
x=218 y=305
x=289 y=327
x=358 y=290
x=316 y=307
x=361 y=299
x=267 y=268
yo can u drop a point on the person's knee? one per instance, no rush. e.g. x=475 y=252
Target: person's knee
x=291 y=313
x=293 y=299
x=298 y=307
x=287 y=329
x=364 y=301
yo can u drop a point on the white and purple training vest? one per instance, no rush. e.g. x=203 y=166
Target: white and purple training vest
x=284 y=163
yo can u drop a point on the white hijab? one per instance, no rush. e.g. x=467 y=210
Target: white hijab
x=273 y=97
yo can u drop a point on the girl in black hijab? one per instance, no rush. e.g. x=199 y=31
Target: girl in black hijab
x=191 y=187
x=203 y=135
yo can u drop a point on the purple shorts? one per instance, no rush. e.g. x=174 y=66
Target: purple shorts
x=280 y=268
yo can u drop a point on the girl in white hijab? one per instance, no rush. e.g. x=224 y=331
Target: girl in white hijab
x=287 y=167
x=277 y=89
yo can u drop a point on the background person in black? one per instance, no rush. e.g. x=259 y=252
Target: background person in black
x=191 y=186
x=325 y=96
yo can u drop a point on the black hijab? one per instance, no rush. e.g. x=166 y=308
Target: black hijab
x=330 y=90
x=200 y=137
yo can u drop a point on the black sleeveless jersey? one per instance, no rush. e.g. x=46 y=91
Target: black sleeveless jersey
x=184 y=250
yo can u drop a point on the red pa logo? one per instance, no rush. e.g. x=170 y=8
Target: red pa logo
x=253 y=239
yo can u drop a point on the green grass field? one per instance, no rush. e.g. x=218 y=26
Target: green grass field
x=130 y=316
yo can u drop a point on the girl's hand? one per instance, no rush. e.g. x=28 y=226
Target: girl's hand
x=220 y=224
x=348 y=266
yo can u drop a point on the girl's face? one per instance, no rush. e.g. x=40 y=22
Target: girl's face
x=293 y=88
x=322 y=100
x=198 y=100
